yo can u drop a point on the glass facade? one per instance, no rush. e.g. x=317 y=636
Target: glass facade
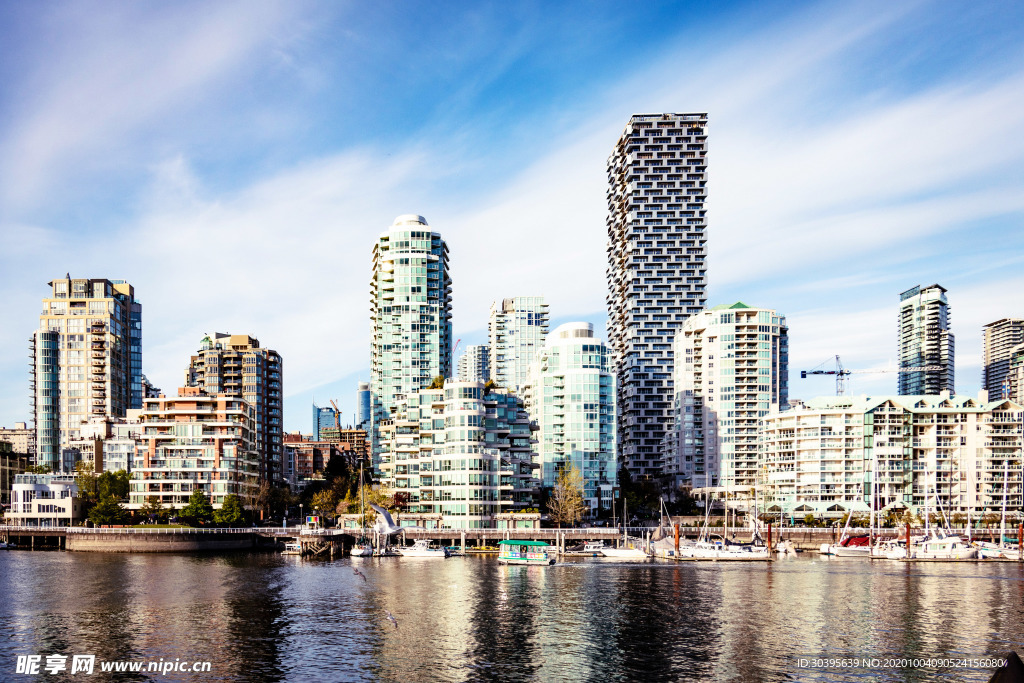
x=516 y=331
x=571 y=395
x=460 y=453
x=411 y=315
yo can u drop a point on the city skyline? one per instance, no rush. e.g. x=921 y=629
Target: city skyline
x=844 y=170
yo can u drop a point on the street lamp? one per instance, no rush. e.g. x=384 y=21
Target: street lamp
x=301 y=517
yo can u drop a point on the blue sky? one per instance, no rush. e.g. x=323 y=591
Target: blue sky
x=236 y=160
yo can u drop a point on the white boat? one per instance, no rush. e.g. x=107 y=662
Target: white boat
x=996 y=551
x=627 y=553
x=362 y=550
x=588 y=549
x=292 y=548
x=421 y=548
x=945 y=548
x=717 y=549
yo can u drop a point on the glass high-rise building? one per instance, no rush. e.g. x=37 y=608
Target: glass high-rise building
x=410 y=313
x=925 y=340
x=1002 y=339
x=364 y=406
x=657 y=234
x=324 y=417
x=85 y=360
x=731 y=370
x=516 y=332
x=571 y=396
x=475 y=364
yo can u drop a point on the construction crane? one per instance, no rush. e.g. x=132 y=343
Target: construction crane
x=337 y=417
x=457 y=342
x=842 y=373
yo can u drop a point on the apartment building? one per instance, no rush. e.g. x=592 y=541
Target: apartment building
x=950 y=454
x=460 y=453
x=925 y=339
x=1002 y=339
x=516 y=330
x=109 y=444
x=236 y=365
x=410 y=313
x=656 y=276
x=571 y=396
x=196 y=441
x=85 y=361
x=731 y=370
x=21 y=437
x=475 y=364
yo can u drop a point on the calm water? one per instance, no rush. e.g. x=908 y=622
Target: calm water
x=265 y=617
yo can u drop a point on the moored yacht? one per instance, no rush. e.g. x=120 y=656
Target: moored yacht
x=421 y=548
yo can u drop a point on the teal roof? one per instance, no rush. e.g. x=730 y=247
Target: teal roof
x=725 y=307
x=522 y=543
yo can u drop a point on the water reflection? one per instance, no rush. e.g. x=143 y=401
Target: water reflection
x=264 y=617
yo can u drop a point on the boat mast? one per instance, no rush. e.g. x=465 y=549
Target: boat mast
x=874 y=494
x=1002 y=521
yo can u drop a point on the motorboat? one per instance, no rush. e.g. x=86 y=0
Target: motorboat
x=362 y=549
x=292 y=548
x=421 y=548
x=996 y=551
x=524 y=552
x=627 y=553
x=588 y=549
x=945 y=548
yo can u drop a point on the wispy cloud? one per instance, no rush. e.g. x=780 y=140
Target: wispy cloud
x=113 y=73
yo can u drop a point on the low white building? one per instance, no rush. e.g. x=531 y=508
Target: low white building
x=49 y=500
x=942 y=454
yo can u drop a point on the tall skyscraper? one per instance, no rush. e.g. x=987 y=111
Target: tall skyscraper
x=925 y=339
x=657 y=177
x=82 y=363
x=1001 y=339
x=731 y=370
x=516 y=331
x=475 y=364
x=364 y=406
x=410 y=313
x=236 y=365
x=571 y=396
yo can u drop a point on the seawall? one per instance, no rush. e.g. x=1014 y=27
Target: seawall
x=158 y=543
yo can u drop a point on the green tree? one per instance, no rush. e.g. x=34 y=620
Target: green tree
x=39 y=469
x=153 y=509
x=198 y=509
x=438 y=383
x=325 y=502
x=85 y=477
x=230 y=511
x=566 y=505
x=114 y=484
x=108 y=511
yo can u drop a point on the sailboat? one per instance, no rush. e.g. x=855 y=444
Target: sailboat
x=848 y=546
x=362 y=547
x=627 y=551
x=714 y=547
